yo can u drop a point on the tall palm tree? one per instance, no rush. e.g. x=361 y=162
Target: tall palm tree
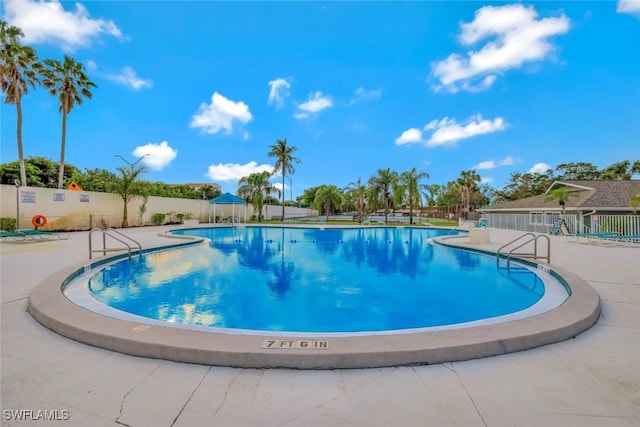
x=431 y=193
x=411 y=188
x=467 y=182
x=256 y=188
x=357 y=192
x=70 y=84
x=19 y=69
x=382 y=184
x=328 y=197
x=284 y=162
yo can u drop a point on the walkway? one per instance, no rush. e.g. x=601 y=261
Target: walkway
x=591 y=380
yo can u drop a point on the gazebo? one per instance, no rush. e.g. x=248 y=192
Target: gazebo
x=228 y=199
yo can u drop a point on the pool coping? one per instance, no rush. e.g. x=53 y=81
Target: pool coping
x=48 y=305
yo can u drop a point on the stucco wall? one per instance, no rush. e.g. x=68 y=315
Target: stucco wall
x=83 y=210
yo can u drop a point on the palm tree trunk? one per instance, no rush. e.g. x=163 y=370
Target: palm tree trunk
x=62 y=147
x=410 y=210
x=386 y=207
x=23 y=172
x=283 y=174
x=125 y=215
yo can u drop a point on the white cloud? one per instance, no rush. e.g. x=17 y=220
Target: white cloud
x=447 y=131
x=487 y=164
x=128 y=77
x=363 y=94
x=278 y=185
x=235 y=171
x=409 y=136
x=157 y=156
x=507 y=161
x=539 y=168
x=632 y=7
x=279 y=91
x=517 y=37
x=491 y=164
x=220 y=114
x=47 y=22
x=486 y=180
x=317 y=102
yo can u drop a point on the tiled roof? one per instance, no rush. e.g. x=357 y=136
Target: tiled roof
x=588 y=194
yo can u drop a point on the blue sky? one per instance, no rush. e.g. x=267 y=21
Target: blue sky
x=204 y=88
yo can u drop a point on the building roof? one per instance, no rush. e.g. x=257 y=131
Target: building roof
x=228 y=199
x=600 y=194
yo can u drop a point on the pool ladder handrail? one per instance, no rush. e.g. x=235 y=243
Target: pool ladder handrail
x=113 y=233
x=532 y=238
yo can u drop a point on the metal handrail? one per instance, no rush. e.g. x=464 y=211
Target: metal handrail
x=110 y=232
x=532 y=238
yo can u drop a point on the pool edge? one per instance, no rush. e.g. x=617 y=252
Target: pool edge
x=52 y=309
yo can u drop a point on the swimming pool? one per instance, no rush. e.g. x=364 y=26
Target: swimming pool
x=318 y=280
x=63 y=304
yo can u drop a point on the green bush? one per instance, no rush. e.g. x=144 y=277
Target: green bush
x=8 y=224
x=158 y=219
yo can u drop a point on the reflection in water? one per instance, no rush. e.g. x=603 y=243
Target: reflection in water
x=278 y=278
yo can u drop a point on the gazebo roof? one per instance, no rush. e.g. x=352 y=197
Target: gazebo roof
x=229 y=199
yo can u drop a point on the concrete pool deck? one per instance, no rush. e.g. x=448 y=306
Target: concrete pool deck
x=593 y=379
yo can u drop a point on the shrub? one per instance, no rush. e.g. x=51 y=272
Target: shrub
x=8 y=224
x=158 y=219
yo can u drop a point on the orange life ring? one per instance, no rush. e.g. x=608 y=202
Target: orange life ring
x=39 y=221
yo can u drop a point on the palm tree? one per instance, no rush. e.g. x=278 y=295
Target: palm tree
x=381 y=185
x=357 y=192
x=19 y=69
x=561 y=194
x=635 y=201
x=431 y=193
x=411 y=188
x=70 y=84
x=256 y=188
x=284 y=162
x=125 y=185
x=621 y=170
x=467 y=181
x=328 y=197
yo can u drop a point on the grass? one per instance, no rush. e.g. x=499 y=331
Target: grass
x=437 y=222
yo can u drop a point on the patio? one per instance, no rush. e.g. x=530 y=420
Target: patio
x=591 y=380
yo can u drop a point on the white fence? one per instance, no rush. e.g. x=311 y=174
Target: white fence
x=528 y=222
x=623 y=224
x=542 y=223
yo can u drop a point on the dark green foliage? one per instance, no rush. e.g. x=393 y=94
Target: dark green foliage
x=158 y=219
x=41 y=172
x=8 y=224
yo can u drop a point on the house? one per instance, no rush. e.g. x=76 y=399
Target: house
x=588 y=205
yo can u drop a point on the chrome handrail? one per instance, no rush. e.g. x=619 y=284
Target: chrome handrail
x=110 y=232
x=532 y=238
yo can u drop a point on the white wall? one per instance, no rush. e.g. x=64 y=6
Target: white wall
x=83 y=210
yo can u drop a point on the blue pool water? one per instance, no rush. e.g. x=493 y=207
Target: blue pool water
x=315 y=280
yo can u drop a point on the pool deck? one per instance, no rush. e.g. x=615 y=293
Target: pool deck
x=590 y=380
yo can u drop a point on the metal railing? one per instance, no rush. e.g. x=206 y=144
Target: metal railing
x=534 y=255
x=115 y=235
x=621 y=224
x=522 y=222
